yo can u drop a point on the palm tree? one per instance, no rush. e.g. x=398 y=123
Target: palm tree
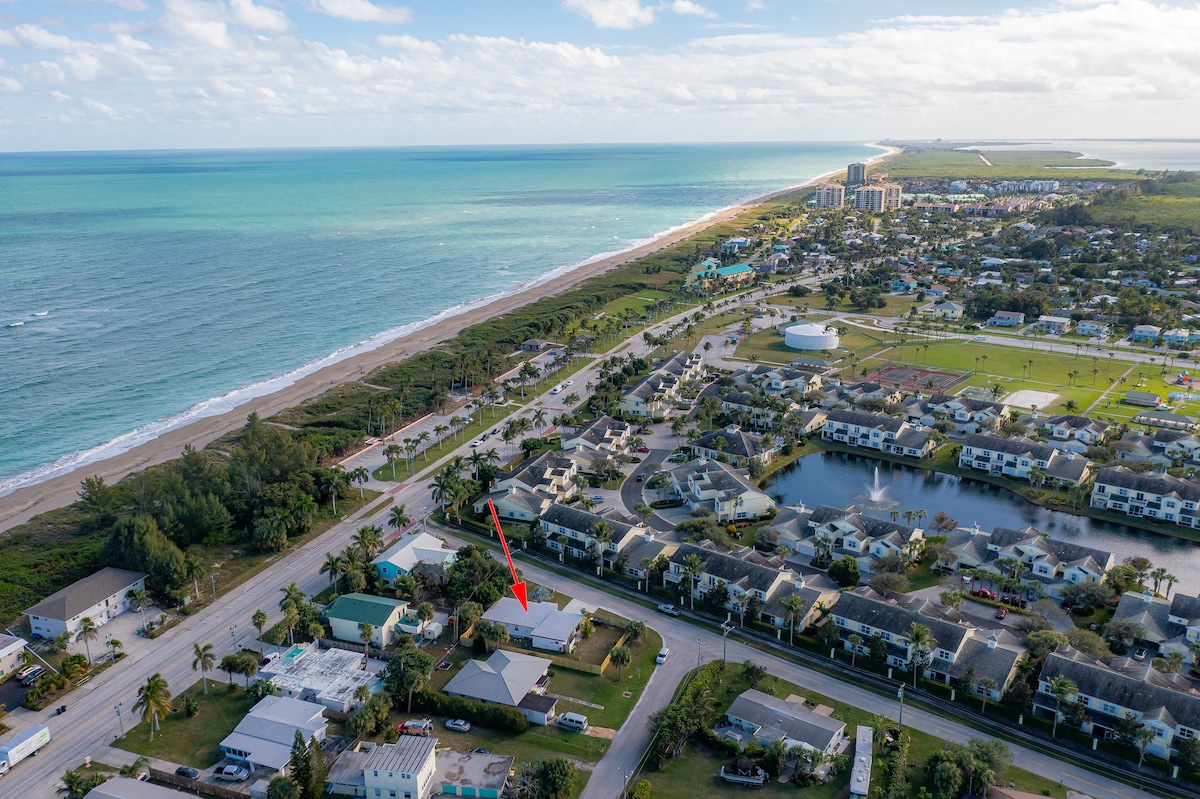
x=369 y=539
x=1063 y=689
x=75 y=784
x=293 y=597
x=194 y=569
x=793 y=606
x=985 y=685
x=620 y=657
x=332 y=484
x=154 y=701
x=366 y=632
x=88 y=632
x=1158 y=575
x=113 y=645
x=1142 y=738
x=360 y=475
x=392 y=453
x=855 y=640
x=333 y=567
x=398 y=517
x=204 y=659
x=688 y=572
x=921 y=642
x=259 y=620
x=440 y=430
x=139 y=598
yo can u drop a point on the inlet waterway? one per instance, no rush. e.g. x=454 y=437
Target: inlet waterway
x=841 y=479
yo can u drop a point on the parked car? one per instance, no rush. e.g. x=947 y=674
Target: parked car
x=643 y=448
x=232 y=773
x=458 y=725
x=597 y=497
x=1001 y=613
x=661 y=657
x=479 y=750
x=641 y=476
x=1141 y=654
x=187 y=771
x=670 y=610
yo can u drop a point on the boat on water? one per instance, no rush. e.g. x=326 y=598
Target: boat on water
x=41 y=313
x=742 y=772
x=15 y=324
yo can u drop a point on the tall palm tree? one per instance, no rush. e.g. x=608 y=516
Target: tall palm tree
x=369 y=539
x=855 y=640
x=440 y=430
x=1062 y=689
x=293 y=597
x=921 y=642
x=113 y=645
x=259 y=620
x=194 y=569
x=153 y=701
x=793 y=606
x=139 y=598
x=689 y=570
x=203 y=659
x=88 y=632
x=361 y=476
x=333 y=567
x=392 y=453
x=986 y=684
x=398 y=517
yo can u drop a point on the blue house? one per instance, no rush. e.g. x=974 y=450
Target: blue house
x=902 y=284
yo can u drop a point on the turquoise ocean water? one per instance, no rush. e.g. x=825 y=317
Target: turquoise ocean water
x=139 y=291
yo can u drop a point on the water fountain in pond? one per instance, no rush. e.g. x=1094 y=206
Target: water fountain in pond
x=875 y=492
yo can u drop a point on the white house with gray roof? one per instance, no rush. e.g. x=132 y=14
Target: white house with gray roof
x=1053 y=563
x=507 y=678
x=1018 y=457
x=602 y=434
x=847 y=531
x=100 y=597
x=264 y=737
x=959 y=646
x=735 y=445
x=767 y=719
x=1165 y=703
x=719 y=488
x=575 y=527
x=879 y=432
x=412 y=551
x=1155 y=496
x=544 y=624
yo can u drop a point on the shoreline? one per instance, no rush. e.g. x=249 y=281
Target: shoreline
x=25 y=502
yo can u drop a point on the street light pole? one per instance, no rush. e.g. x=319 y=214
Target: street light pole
x=697 y=654
x=900 y=720
x=120 y=721
x=233 y=637
x=726 y=628
x=213 y=575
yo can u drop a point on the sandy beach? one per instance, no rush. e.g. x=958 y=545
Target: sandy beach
x=25 y=503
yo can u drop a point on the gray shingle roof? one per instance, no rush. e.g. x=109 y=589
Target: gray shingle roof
x=1138 y=687
x=750 y=572
x=774 y=716
x=1011 y=446
x=871 y=609
x=77 y=597
x=504 y=678
x=877 y=420
x=1121 y=477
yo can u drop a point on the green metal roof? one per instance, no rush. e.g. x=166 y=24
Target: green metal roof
x=359 y=608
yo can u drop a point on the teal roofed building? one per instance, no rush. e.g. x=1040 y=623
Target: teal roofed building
x=347 y=613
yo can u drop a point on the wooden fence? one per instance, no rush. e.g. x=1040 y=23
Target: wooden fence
x=206 y=788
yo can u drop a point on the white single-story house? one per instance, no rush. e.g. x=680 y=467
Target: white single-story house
x=264 y=737
x=544 y=624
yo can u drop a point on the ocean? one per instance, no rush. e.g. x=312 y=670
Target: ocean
x=142 y=290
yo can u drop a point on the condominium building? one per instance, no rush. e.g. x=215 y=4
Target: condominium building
x=831 y=196
x=878 y=198
x=856 y=174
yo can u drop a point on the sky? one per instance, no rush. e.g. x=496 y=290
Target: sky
x=167 y=74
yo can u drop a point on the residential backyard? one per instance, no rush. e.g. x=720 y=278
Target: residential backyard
x=194 y=741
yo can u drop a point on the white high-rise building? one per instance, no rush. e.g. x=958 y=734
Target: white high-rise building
x=831 y=196
x=878 y=198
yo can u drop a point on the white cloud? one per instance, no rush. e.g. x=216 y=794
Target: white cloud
x=7 y=39
x=409 y=44
x=100 y=107
x=688 y=8
x=259 y=17
x=1119 y=68
x=755 y=5
x=619 y=14
x=363 y=11
x=9 y=84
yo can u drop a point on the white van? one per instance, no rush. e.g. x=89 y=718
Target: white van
x=573 y=721
x=661 y=658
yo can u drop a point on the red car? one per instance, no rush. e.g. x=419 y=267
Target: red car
x=1001 y=613
x=643 y=448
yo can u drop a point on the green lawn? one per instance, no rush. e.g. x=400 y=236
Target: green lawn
x=605 y=689
x=694 y=773
x=1159 y=212
x=190 y=741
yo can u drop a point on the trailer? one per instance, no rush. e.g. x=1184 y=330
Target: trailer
x=21 y=746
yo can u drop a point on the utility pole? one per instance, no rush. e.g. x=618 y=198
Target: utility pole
x=900 y=720
x=698 y=656
x=120 y=721
x=726 y=628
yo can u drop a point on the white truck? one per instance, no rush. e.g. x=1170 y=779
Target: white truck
x=22 y=746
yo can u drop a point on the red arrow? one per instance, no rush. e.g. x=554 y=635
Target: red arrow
x=518 y=586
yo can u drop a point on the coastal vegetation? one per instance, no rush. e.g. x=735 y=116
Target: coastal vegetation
x=947 y=163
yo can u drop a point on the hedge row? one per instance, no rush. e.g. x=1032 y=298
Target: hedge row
x=496 y=717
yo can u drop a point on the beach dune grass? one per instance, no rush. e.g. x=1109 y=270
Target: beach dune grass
x=952 y=164
x=194 y=741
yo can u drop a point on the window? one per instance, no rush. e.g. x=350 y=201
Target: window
x=1109 y=709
